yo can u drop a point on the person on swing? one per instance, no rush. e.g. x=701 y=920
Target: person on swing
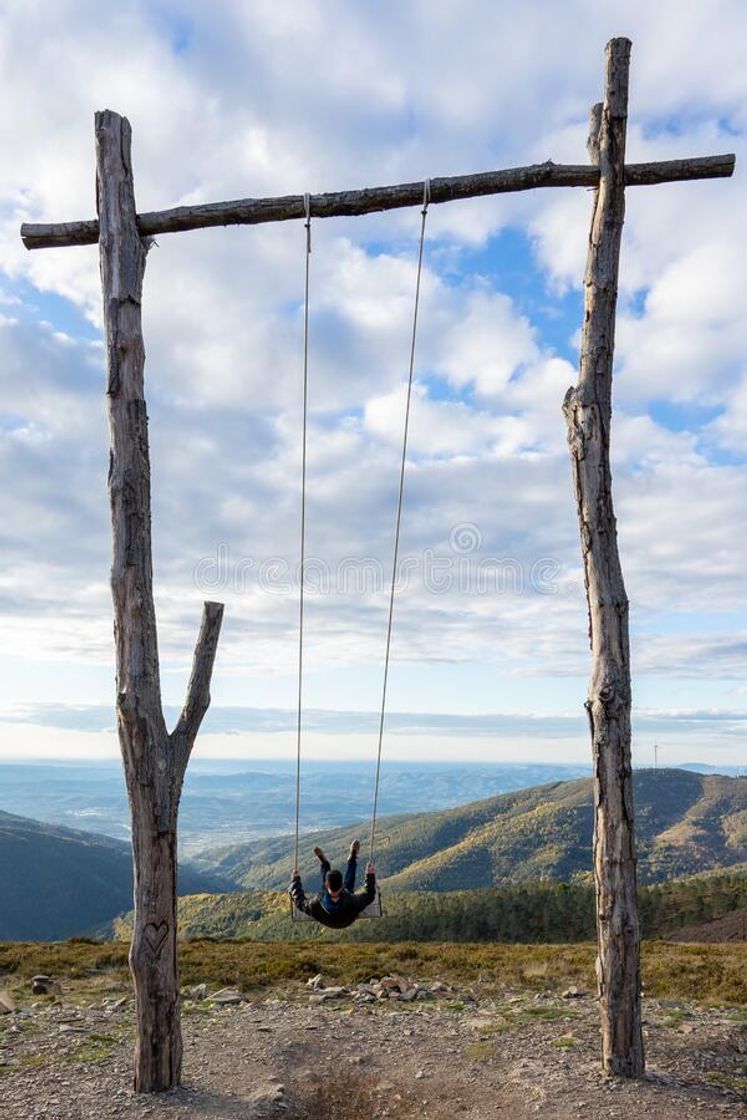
x=338 y=905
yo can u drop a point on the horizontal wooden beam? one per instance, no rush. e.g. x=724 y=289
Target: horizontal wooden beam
x=253 y=211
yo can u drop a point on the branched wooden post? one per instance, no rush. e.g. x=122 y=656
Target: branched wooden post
x=588 y=411
x=154 y=760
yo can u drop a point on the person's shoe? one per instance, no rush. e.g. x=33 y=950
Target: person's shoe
x=320 y=855
x=355 y=847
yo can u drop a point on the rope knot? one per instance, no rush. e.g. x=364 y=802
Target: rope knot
x=307 y=213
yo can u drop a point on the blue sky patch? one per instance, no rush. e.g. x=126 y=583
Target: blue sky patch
x=59 y=312
x=683 y=416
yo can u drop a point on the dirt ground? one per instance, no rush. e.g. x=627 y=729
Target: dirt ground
x=453 y=1055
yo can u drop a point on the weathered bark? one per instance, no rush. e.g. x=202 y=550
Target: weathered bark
x=154 y=761
x=588 y=411
x=253 y=211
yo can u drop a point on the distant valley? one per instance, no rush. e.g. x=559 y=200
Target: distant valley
x=227 y=801
x=231 y=801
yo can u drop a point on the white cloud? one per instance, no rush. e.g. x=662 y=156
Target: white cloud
x=264 y=98
x=730 y=429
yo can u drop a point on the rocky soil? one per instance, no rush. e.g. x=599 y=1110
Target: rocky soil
x=391 y=1048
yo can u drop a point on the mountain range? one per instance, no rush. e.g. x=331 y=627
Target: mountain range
x=685 y=823
x=56 y=882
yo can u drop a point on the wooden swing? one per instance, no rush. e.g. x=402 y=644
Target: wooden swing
x=374 y=909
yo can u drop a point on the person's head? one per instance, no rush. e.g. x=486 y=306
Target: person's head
x=333 y=883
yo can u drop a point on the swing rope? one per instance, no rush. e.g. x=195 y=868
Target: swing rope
x=307 y=226
x=423 y=212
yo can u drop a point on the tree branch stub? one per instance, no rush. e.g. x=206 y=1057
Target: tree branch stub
x=198 y=690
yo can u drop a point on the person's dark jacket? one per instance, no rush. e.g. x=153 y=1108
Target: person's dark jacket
x=348 y=907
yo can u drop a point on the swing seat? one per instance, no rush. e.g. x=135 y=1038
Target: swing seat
x=373 y=910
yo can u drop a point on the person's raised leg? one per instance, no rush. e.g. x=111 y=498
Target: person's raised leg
x=324 y=864
x=352 y=866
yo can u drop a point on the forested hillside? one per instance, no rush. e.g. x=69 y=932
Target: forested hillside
x=685 y=823
x=56 y=882
x=538 y=912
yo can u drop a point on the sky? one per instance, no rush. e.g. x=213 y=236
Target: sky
x=490 y=649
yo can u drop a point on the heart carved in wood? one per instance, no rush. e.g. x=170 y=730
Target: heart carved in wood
x=155 y=935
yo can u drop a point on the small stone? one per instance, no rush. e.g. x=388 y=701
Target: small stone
x=419 y=1076
x=574 y=993
x=115 y=1004
x=327 y=994
x=43 y=985
x=226 y=997
x=7 y=1003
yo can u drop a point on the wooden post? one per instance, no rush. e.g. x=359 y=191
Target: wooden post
x=154 y=760
x=588 y=411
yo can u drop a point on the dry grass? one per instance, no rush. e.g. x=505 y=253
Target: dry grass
x=705 y=973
